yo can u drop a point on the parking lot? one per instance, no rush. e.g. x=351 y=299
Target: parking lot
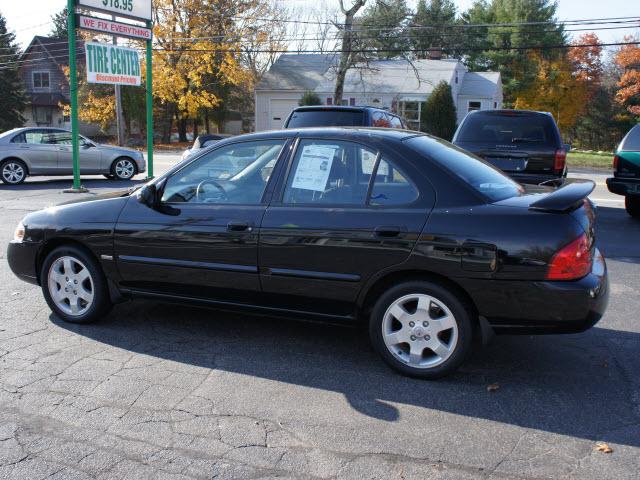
x=163 y=391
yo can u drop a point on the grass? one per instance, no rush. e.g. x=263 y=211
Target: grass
x=590 y=159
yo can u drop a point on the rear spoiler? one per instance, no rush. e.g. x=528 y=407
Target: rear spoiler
x=568 y=197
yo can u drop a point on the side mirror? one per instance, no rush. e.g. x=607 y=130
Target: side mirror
x=148 y=195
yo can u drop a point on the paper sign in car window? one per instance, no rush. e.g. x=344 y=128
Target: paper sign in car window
x=314 y=167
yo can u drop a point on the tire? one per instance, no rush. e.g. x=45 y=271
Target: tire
x=397 y=324
x=632 y=205
x=13 y=171
x=123 y=168
x=68 y=270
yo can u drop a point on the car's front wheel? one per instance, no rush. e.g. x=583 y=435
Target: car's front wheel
x=632 y=205
x=124 y=168
x=13 y=171
x=421 y=329
x=74 y=285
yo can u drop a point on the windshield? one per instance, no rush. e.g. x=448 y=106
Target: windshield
x=508 y=128
x=631 y=142
x=484 y=178
x=326 y=118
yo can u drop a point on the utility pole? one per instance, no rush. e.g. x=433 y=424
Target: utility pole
x=119 y=117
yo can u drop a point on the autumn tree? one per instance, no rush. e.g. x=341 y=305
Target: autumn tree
x=587 y=61
x=12 y=100
x=555 y=89
x=627 y=59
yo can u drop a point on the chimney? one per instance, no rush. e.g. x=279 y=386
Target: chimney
x=434 y=53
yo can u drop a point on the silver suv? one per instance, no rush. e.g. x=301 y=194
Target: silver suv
x=47 y=151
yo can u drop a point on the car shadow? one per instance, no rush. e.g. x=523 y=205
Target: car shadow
x=617 y=234
x=566 y=384
x=62 y=183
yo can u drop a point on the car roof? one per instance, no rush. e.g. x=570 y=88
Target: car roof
x=346 y=108
x=345 y=133
x=506 y=111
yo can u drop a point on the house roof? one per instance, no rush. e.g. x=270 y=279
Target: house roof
x=398 y=76
x=296 y=72
x=479 y=84
x=56 y=48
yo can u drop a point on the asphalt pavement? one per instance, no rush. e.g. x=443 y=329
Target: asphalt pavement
x=161 y=391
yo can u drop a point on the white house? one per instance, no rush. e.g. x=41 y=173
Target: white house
x=396 y=85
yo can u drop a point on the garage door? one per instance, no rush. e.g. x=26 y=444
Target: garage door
x=279 y=111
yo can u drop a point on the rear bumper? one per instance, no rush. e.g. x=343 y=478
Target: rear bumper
x=546 y=306
x=623 y=186
x=21 y=257
x=534 y=178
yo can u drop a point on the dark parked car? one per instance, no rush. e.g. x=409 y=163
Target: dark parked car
x=626 y=171
x=425 y=242
x=336 y=116
x=525 y=145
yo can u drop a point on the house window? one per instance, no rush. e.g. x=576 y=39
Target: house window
x=495 y=104
x=43 y=116
x=474 y=106
x=329 y=100
x=40 y=79
x=352 y=101
x=411 y=113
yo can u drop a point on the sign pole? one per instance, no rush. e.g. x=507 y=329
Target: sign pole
x=73 y=94
x=149 y=79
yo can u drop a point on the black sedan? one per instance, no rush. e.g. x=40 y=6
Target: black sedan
x=423 y=242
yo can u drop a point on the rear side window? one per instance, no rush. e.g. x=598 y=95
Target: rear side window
x=391 y=186
x=631 y=141
x=508 y=129
x=395 y=122
x=380 y=119
x=482 y=177
x=326 y=118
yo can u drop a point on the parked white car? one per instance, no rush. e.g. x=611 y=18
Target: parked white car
x=47 y=151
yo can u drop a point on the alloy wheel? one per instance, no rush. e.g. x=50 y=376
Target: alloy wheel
x=420 y=330
x=13 y=172
x=70 y=285
x=125 y=169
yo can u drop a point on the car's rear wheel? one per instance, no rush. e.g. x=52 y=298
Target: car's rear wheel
x=632 y=205
x=13 y=171
x=124 y=168
x=74 y=285
x=421 y=329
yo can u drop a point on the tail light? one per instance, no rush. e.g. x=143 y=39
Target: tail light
x=572 y=261
x=616 y=159
x=559 y=160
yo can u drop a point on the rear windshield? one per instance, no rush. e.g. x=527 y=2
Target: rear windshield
x=484 y=178
x=501 y=129
x=326 y=118
x=631 y=141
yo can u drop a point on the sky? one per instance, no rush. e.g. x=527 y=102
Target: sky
x=31 y=17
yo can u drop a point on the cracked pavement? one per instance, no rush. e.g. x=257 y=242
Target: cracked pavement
x=163 y=391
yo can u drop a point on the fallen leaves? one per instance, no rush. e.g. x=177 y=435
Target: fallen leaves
x=603 y=447
x=494 y=387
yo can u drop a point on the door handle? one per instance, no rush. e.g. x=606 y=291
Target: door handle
x=388 y=231
x=239 y=227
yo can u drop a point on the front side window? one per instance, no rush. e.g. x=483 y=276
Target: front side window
x=379 y=119
x=395 y=121
x=234 y=174
x=40 y=79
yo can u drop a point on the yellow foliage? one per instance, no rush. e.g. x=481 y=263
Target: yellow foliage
x=556 y=89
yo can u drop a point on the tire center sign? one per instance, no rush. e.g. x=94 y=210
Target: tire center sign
x=112 y=64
